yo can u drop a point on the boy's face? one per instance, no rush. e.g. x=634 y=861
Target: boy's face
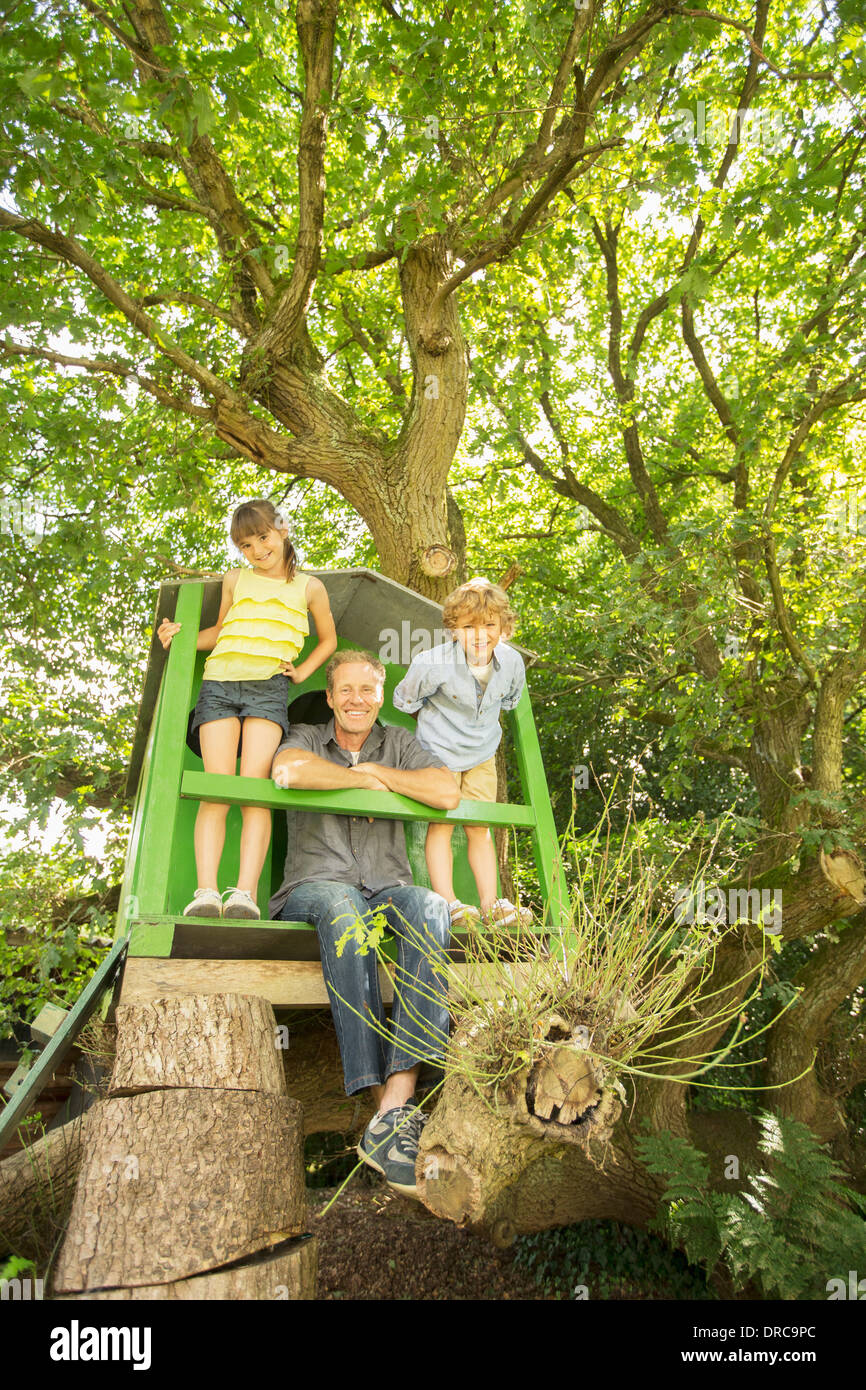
x=478 y=636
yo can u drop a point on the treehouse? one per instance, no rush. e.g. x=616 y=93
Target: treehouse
x=169 y=954
x=191 y=1175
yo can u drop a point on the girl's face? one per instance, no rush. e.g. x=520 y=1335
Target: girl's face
x=264 y=550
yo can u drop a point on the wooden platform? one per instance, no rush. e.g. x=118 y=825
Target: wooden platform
x=286 y=984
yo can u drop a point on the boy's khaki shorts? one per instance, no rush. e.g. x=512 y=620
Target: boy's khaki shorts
x=478 y=783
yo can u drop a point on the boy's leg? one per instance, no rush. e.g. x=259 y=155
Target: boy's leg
x=219 y=751
x=479 y=784
x=481 y=853
x=440 y=866
x=262 y=738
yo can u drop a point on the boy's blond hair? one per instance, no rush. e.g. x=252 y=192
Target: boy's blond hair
x=478 y=599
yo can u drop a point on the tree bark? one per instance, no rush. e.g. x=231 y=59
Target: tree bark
x=203 y=1172
x=36 y=1188
x=288 y=1272
x=197 y=1040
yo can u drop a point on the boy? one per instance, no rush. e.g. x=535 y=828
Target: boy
x=457 y=690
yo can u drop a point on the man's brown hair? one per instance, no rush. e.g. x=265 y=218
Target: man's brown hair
x=345 y=657
x=479 y=599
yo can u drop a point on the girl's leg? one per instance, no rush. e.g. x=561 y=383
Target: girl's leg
x=219 y=751
x=440 y=866
x=482 y=861
x=262 y=738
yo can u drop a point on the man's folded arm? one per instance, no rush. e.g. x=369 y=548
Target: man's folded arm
x=435 y=786
x=298 y=767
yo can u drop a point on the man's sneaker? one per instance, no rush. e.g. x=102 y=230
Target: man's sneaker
x=390 y=1145
x=206 y=903
x=240 y=904
x=463 y=913
x=505 y=914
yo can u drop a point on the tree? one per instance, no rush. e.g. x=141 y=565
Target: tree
x=647 y=226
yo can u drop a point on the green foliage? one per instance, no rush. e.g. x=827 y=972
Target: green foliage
x=15 y=1266
x=46 y=955
x=431 y=123
x=609 y=1260
x=793 y=1226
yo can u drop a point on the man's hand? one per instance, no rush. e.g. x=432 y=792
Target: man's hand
x=297 y=767
x=435 y=786
x=370 y=782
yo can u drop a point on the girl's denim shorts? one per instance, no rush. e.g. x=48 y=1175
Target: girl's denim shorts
x=243 y=700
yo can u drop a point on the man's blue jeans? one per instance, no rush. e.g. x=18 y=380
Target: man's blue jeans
x=418 y=1028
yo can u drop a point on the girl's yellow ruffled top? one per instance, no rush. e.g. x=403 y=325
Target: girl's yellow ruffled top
x=266 y=624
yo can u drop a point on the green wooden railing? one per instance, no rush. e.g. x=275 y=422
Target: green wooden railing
x=257 y=791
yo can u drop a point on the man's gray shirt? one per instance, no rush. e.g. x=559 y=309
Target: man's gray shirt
x=369 y=856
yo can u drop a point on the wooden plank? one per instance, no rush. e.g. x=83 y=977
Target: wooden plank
x=60 y=1044
x=47 y=1021
x=286 y=984
x=259 y=791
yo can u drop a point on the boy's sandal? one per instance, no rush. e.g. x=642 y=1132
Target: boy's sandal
x=504 y=914
x=463 y=913
x=206 y=903
x=240 y=904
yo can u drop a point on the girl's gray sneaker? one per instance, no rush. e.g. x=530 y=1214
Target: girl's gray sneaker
x=390 y=1145
x=206 y=903
x=240 y=904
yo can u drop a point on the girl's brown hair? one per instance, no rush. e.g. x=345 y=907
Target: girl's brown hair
x=478 y=599
x=262 y=515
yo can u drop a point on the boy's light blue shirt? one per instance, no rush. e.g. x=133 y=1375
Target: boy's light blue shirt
x=457 y=718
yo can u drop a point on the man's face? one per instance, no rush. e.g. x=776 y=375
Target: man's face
x=357 y=697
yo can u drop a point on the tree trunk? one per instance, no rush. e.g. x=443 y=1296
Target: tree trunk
x=202 y=1171
x=289 y=1272
x=36 y=1188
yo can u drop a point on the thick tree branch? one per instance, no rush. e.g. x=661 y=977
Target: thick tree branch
x=110 y=367
x=582 y=20
x=316 y=22
x=205 y=173
x=782 y=616
x=830 y=976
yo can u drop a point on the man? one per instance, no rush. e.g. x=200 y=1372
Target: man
x=339 y=868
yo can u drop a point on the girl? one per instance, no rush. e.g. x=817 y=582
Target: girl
x=260 y=630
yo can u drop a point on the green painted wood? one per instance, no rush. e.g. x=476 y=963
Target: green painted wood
x=258 y=791
x=152 y=882
x=545 y=841
x=46 y=1023
x=228 y=938
x=151 y=938
x=52 y=1055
